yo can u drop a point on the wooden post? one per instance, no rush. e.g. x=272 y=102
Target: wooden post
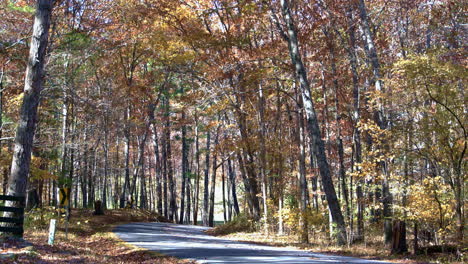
x=52 y=228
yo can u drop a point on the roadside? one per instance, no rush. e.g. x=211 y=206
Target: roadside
x=192 y=242
x=371 y=249
x=90 y=240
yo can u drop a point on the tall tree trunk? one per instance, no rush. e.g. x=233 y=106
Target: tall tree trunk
x=84 y=167
x=248 y=165
x=5 y=174
x=170 y=171
x=143 y=190
x=213 y=180
x=313 y=126
x=164 y=167
x=28 y=114
x=137 y=172
x=339 y=140
x=71 y=171
x=302 y=175
x=126 y=185
x=106 y=161
x=248 y=189
x=63 y=164
x=92 y=180
x=263 y=164
x=206 y=205
x=223 y=187
x=188 y=191
x=184 y=170
x=197 y=180
x=356 y=118
x=379 y=115
x=158 y=171
x=232 y=179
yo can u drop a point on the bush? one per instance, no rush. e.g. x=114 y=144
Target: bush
x=39 y=218
x=240 y=223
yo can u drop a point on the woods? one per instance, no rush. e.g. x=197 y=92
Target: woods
x=340 y=118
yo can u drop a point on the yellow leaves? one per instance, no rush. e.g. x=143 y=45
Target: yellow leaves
x=291 y=218
x=37 y=173
x=218 y=107
x=365 y=170
x=378 y=134
x=5 y=158
x=16 y=101
x=430 y=201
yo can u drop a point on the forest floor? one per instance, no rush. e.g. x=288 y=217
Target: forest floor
x=90 y=240
x=372 y=249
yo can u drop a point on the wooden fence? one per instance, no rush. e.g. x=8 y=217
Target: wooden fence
x=17 y=228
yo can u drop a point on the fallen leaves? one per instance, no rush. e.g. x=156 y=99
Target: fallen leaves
x=90 y=240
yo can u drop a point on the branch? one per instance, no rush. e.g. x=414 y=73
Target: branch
x=449 y=110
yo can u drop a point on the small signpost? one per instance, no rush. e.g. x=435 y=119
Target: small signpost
x=52 y=228
x=64 y=199
x=64 y=196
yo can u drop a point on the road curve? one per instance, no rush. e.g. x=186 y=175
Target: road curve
x=190 y=242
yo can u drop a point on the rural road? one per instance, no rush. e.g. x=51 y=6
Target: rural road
x=190 y=242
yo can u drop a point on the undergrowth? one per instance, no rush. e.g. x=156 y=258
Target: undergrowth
x=240 y=223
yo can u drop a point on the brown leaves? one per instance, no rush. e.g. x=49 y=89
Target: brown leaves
x=90 y=241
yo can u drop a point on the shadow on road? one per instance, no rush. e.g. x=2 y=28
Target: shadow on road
x=185 y=241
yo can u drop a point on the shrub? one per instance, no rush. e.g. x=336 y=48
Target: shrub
x=240 y=223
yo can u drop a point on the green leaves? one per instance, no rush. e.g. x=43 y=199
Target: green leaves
x=21 y=8
x=75 y=40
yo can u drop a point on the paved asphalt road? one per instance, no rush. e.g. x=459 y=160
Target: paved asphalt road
x=190 y=242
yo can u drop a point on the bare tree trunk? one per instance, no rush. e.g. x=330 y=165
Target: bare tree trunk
x=84 y=168
x=92 y=181
x=106 y=161
x=28 y=114
x=263 y=164
x=184 y=170
x=356 y=117
x=223 y=181
x=302 y=175
x=139 y=170
x=232 y=179
x=188 y=191
x=213 y=180
x=126 y=185
x=71 y=171
x=197 y=180
x=5 y=175
x=247 y=162
x=164 y=168
x=64 y=150
x=143 y=190
x=170 y=172
x=339 y=140
x=248 y=189
x=313 y=126
x=158 y=171
x=380 y=116
x=206 y=205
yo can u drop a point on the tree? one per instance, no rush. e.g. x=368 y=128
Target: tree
x=312 y=123
x=33 y=85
